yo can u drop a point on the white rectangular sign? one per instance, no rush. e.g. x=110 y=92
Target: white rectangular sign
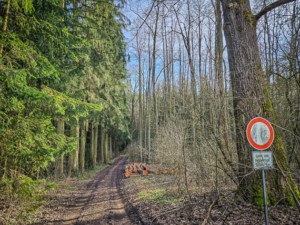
x=262 y=160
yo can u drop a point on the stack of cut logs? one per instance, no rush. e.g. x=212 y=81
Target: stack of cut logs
x=136 y=168
x=141 y=168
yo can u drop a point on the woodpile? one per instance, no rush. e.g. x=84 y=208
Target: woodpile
x=138 y=168
x=144 y=170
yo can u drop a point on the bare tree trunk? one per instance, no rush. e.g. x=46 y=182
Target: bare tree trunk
x=4 y=26
x=187 y=40
x=104 y=146
x=294 y=77
x=102 y=135
x=154 y=77
x=59 y=163
x=106 y=158
x=148 y=98
x=83 y=130
x=219 y=82
x=140 y=99
x=116 y=148
x=251 y=98
x=110 y=144
x=108 y=147
x=95 y=144
x=93 y=136
x=73 y=158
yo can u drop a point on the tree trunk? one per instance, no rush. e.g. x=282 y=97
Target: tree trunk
x=153 y=75
x=104 y=146
x=219 y=83
x=95 y=144
x=99 y=146
x=4 y=26
x=102 y=135
x=140 y=133
x=187 y=38
x=73 y=158
x=83 y=130
x=110 y=147
x=116 y=148
x=59 y=162
x=92 y=145
x=250 y=98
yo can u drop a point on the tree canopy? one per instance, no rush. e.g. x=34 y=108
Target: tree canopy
x=59 y=61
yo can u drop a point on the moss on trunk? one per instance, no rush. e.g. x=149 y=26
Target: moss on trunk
x=251 y=97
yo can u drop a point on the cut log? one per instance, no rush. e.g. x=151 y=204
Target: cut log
x=171 y=171
x=165 y=171
x=127 y=174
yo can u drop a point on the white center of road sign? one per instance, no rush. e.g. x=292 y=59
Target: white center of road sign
x=260 y=133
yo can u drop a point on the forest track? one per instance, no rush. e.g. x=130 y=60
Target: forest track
x=100 y=202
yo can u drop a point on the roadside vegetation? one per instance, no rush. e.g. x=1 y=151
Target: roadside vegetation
x=27 y=207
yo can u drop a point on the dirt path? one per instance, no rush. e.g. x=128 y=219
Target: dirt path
x=100 y=202
x=107 y=199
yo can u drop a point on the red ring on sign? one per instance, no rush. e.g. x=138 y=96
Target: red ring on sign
x=248 y=133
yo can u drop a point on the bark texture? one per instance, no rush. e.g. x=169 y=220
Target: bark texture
x=251 y=98
x=59 y=162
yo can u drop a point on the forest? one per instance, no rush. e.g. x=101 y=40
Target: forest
x=170 y=83
x=203 y=70
x=63 y=90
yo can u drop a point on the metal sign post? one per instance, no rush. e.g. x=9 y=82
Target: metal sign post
x=260 y=135
x=265 y=197
x=263 y=160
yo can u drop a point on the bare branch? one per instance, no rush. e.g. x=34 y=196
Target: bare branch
x=144 y=20
x=271 y=7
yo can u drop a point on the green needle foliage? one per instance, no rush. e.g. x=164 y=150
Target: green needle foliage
x=58 y=59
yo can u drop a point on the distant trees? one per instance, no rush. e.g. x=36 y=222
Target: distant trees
x=211 y=89
x=280 y=48
x=185 y=87
x=62 y=84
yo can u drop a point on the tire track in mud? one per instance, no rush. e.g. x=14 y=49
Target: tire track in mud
x=101 y=201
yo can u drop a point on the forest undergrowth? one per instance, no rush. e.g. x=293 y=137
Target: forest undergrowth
x=159 y=201
x=156 y=199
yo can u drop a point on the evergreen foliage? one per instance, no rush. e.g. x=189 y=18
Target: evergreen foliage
x=58 y=59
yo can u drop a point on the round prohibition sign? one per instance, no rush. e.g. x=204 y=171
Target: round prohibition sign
x=260 y=133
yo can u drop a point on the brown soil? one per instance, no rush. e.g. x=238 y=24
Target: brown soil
x=97 y=202
x=108 y=198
